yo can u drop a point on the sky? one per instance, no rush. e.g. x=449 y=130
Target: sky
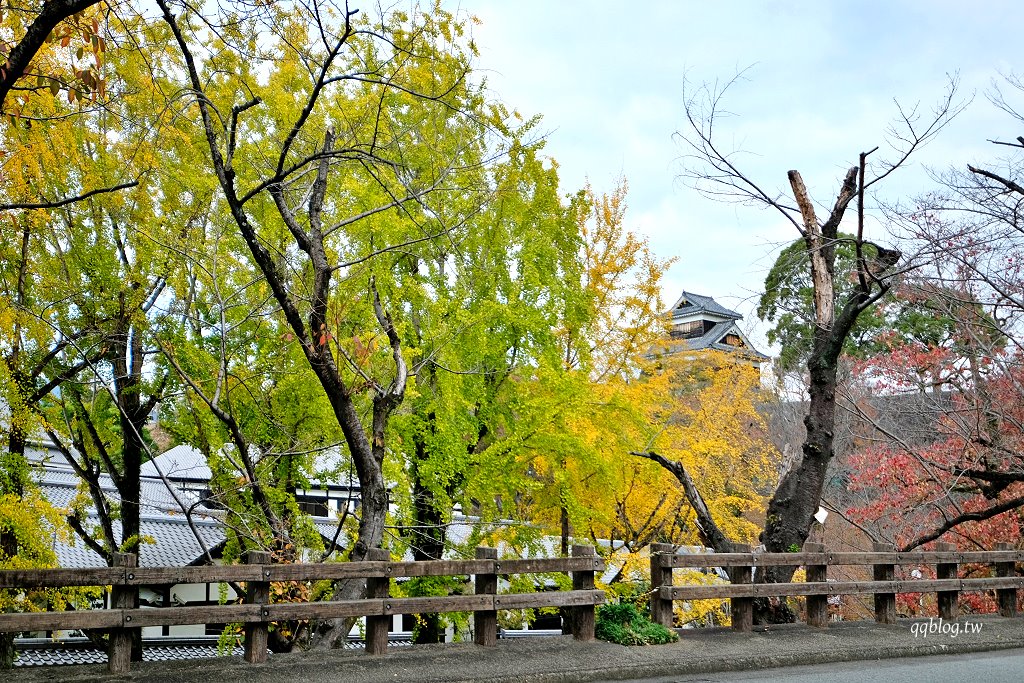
x=819 y=84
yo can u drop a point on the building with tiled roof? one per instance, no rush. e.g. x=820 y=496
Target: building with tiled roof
x=172 y=484
x=700 y=323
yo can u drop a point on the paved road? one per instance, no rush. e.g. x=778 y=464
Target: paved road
x=1006 y=666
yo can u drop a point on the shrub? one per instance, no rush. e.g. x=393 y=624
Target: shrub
x=624 y=624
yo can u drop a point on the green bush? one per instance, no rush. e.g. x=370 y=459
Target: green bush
x=624 y=624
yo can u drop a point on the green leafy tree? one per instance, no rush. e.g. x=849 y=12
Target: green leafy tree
x=482 y=319
x=788 y=302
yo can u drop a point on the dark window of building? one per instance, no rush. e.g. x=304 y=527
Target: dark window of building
x=317 y=507
x=213 y=629
x=408 y=622
x=209 y=501
x=546 y=621
x=694 y=328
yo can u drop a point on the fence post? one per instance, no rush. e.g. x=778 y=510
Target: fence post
x=377 y=587
x=742 y=608
x=119 y=648
x=257 y=633
x=661 y=576
x=485 y=622
x=1007 y=597
x=947 y=570
x=885 y=603
x=583 y=621
x=817 y=605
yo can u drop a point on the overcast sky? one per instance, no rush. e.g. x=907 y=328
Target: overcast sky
x=608 y=78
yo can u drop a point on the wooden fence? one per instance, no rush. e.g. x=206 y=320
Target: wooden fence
x=744 y=585
x=256 y=611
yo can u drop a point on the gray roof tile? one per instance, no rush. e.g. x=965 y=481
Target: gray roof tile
x=710 y=340
x=689 y=303
x=175 y=545
x=77 y=652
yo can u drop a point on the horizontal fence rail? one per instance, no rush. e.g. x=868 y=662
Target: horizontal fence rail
x=153 y=576
x=256 y=611
x=744 y=587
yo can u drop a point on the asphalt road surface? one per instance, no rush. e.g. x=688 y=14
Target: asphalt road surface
x=1006 y=666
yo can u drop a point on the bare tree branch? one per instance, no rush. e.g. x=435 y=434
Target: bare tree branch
x=56 y=204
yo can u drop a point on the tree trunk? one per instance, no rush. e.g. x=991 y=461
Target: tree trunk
x=13 y=471
x=427 y=538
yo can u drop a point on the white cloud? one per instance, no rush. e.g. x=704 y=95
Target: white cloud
x=607 y=78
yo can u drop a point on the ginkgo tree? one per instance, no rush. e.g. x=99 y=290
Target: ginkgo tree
x=351 y=167
x=625 y=393
x=75 y=306
x=481 y=328
x=604 y=344
x=341 y=150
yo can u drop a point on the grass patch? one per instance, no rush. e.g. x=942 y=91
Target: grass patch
x=624 y=624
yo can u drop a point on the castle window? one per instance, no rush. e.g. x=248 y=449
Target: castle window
x=688 y=330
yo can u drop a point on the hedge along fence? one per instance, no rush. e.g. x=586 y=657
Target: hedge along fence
x=744 y=587
x=256 y=611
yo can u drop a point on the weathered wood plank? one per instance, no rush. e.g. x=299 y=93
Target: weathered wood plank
x=704 y=560
x=443 y=603
x=948 y=600
x=377 y=587
x=549 y=599
x=105 y=576
x=200 y=614
x=1007 y=598
x=661 y=576
x=89 y=576
x=59 y=621
x=257 y=594
x=550 y=564
x=336 y=609
x=744 y=559
x=928 y=557
x=583 y=617
x=153 y=576
x=485 y=621
x=775 y=589
x=885 y=603
x=817 y=605
x=742 y=608
x=119 y=644
x=442 y=568
x=837 y=558
x=334 y=571
x=724 y=591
